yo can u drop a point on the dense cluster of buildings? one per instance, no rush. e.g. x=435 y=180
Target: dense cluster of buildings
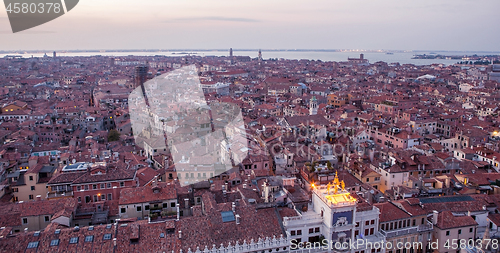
x=397 y=158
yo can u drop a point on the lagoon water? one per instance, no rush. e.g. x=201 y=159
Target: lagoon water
x=403 y=57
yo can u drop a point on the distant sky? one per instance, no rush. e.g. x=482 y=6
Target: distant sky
x=466 y=25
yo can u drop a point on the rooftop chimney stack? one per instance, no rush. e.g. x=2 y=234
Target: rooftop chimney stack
x=435 y=217
x=237 y=219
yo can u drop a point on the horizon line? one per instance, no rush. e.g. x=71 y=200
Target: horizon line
x=240 y=49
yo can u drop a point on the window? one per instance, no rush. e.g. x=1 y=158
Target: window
x=448 y=233
x=292 y=232
x=109 y=196
x=122 y=210
x=299 y=232
x=89 y=238
x=94 y=187
x=95 y=198
x=172 y=204
x=372 y=222
x=311 y=230
x=109 y=185
x=47 y=218
x=54 y=242
x=139 y=208
x=30 y=196
x=146 y=207
x=103 y=186
x=32 y=188
x=73 y=240
x=316 y=230
x=106 y=237
x=122 y=184
x=165 y=205
x=460 y=231
x=78 y=188
x=470 y=230
x=367 y=223
x=25 y=220
x=31 y=178
x=86 y=187
x=32 y=245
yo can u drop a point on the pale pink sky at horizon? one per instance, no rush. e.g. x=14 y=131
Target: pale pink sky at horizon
x=271 y=24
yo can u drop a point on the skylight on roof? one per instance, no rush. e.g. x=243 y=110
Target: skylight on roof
x=106 y=237
x=227 y=216
x=73 y=240
x=54 y=242
x=89 y=238
x=32 y=245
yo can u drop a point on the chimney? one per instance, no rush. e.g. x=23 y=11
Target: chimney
x=233 y=206
x=434 y=217
x=237 y=219
x=38 y=197
x=244 y=186
x=180 y=234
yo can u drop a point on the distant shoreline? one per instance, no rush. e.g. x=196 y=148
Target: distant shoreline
x=234 y=50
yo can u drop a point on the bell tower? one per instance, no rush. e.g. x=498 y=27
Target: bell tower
x=313 y=106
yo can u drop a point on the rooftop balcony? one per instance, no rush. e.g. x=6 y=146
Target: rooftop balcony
x=306 y=219
x=408 y=230
x=332 y=200
x=59 y=194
